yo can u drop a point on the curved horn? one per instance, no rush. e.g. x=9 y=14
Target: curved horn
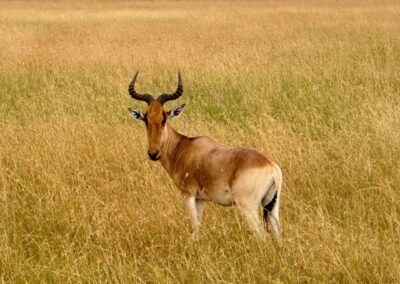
x=169 y=97
x=141 y=97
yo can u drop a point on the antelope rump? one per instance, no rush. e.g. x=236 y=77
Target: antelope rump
x=205 y=170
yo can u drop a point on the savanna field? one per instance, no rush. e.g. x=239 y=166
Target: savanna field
x=315 y=84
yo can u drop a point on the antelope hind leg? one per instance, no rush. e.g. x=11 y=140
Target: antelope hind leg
x=253 y=218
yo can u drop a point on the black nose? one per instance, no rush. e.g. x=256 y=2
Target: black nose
x=154 y=156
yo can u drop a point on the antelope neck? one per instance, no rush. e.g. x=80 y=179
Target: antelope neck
x=170 y=147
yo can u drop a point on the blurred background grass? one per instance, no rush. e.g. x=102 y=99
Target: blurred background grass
x=314 y=84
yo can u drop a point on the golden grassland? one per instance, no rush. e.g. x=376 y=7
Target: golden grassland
x=316 y=84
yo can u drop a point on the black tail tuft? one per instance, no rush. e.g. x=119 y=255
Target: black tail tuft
x=269 y=206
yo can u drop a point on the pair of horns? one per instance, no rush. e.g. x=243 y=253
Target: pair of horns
x=162 y=98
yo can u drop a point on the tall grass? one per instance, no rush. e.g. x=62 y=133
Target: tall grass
x=314 y=84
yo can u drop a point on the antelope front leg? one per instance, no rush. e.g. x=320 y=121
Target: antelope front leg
x=200 y=209
x=190 y=202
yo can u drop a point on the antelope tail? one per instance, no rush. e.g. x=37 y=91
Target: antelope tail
x=267 y=208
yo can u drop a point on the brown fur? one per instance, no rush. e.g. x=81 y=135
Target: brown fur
x=202 y=164
x=205 y=170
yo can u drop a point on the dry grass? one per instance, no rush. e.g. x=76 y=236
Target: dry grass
x=315 y=84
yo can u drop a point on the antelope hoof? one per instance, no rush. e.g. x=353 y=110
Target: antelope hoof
x=195 y=237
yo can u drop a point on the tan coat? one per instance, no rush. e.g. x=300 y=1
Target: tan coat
x=205 y=170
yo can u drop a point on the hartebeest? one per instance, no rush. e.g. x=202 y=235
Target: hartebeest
x=205 y=170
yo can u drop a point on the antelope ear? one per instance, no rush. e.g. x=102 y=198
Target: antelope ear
x=136 y=114
x=176 y=111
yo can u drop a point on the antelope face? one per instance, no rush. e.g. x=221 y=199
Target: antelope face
x=155 y=118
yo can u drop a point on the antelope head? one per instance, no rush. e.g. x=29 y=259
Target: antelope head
x=155 y=117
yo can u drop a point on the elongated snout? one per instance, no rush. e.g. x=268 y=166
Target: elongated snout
x=154 y=155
